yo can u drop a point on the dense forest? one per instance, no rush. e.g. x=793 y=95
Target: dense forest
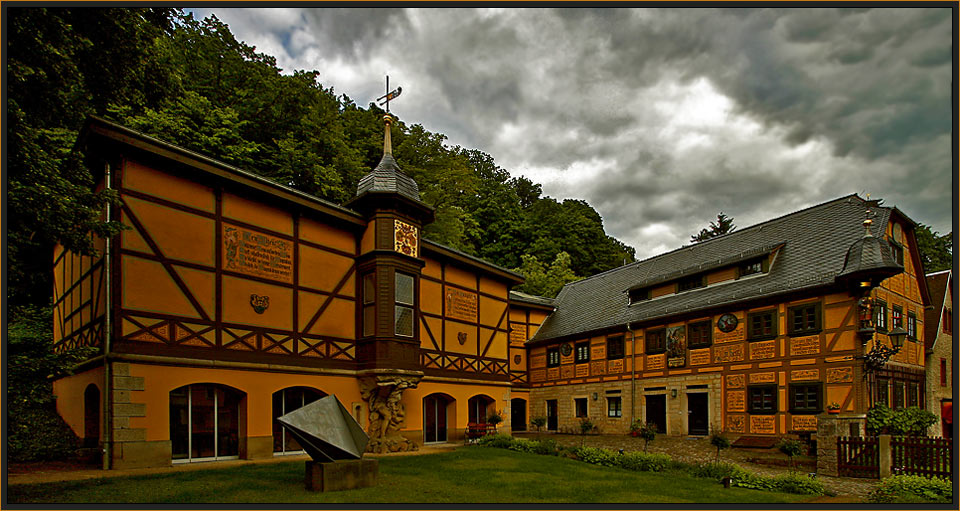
x=190 y=82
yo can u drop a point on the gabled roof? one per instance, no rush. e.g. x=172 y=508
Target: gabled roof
x=524 y=298
x=939 y=285
x=811 y=246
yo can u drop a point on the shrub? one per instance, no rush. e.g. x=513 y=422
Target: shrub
x=597 y=456
x=645 y=430
x=720 y=442
x=906 y=421
x=790 y=447
x=547 y=447
x=644 y=462
x=585 y=426
x=522 y=445
x=495 y=418
x=799 y=484
x=715 y=471
x=912 y=489
x=502 y=441
x=538 y=422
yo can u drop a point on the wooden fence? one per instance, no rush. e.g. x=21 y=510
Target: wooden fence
x=858 y=457
x=922 y=456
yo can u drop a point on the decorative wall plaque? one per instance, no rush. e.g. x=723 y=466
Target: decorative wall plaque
x=763 y=378
x=553 y=373
x=583 y=370
x=566 y=372
x=462 y=338
x=537 y=375
x=735 y=381
x=762 y=350
x=461 y=304
x=538 y=360
x=615 y=366
x=656 y=361
x=727 y=323
x=676 y=346
x=723 y=354
x=259 y=303
x=260 y=255
x=805 y=345
x=737 y=423
x=764 y=424
x=700 y=357
x=517 y=359
x=803 y=423
x=566 y=349
x=805 y=374
x=736 y=400
x=405 y=238
x=840 y=375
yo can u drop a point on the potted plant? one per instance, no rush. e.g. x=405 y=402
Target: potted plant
x=833 y=408
x=494 y=419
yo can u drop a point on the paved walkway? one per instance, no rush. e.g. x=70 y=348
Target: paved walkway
x=698 y=450
x=691 y=450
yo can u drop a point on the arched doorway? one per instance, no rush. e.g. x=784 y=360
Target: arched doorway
x=518 y=414
x=205 y=422
x=435 y=418
x=284 y=402
x=479 y=408
x=91 y=416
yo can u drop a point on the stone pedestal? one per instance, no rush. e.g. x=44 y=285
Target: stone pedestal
x=341 y=475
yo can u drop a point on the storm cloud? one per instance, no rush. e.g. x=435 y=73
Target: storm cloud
x=659 y=118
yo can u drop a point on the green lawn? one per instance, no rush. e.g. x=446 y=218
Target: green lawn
x=466 y=475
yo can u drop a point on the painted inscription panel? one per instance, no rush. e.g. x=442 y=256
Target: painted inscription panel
x=763 y=377
x=803 y=423
x=763 y=424
x=724 y=354
x=598 y=352
x=735 y=381
x=538 y=360
x=840 y=375
x=736 y=400
x=598 y=367
x=615 y=366
x=461 y=304
x=700 y=357
x=737 y=334
x=656 y=361
x=737 y=423
x=553 y=373
x=805 y=374
x=762 y=350
x=583 y=370
x=260 y=255
x=537 y=375
x=805 y=345
x=518 y=333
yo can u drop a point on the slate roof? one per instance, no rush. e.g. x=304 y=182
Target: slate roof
x=534 y=299
x=387 y=177
x=937 y=284
x=813 y=245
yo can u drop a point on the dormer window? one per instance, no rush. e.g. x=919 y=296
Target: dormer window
x=694 y=282
x=897 y=250
x=639 y=295
x=753 y=266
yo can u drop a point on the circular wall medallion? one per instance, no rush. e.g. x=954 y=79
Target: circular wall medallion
x=727 y=323
x=517 y=359
x=566 y=349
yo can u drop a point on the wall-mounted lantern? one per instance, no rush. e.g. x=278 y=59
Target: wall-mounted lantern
x=879 y=355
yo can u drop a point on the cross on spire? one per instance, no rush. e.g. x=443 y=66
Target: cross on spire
x=391 y=94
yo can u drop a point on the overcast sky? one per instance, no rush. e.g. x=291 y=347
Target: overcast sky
x=659 y=118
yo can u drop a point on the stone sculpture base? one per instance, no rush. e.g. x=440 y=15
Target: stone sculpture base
x=341 y=475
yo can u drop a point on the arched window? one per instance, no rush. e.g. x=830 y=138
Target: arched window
x=284 y=402
x=205 y=422
x=479 y=408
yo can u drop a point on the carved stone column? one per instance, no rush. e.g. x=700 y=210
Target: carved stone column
x=383 y=393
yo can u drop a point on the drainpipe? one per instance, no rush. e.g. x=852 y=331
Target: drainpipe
x=633 y=375
x=107 y=335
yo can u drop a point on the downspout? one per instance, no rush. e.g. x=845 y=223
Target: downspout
x=107 y=335
x=633 y=375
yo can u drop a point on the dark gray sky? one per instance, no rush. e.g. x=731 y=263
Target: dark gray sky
x=659 y=118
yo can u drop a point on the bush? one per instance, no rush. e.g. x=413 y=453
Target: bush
x=906 y=421
x=799 y=484
x=522 y=445
x=501 y=441
x=790 y=447
x=643 y=462
x=547 y=447
x=645 y=430
x=595 y=456
x=912 y=489
x=715 y=471
x=720 y=442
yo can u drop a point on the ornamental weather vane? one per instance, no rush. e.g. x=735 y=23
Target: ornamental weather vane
x=391 y=94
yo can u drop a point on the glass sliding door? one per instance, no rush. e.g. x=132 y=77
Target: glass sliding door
x=204 y=423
